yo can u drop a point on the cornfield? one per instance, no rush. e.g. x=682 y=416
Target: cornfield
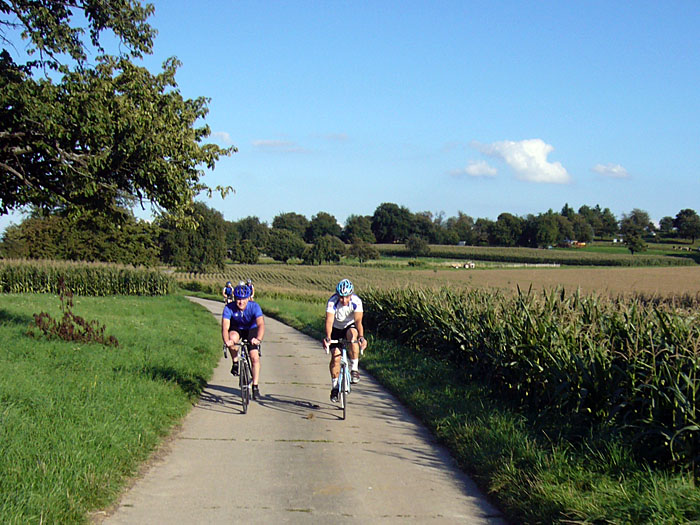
x=23 y=276
x=628 y=367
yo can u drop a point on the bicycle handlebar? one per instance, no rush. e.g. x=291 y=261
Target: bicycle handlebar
x=341 y=341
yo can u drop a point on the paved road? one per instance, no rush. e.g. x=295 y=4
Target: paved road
x=291 y=459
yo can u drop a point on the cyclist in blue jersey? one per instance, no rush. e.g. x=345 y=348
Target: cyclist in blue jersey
x=243 y=319
x=344 y=321
x=227 y=292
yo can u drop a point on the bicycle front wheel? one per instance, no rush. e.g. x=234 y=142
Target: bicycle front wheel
x=244 y=380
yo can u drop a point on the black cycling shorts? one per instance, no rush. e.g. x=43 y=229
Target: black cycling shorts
x=248 y=335
x=340 y=333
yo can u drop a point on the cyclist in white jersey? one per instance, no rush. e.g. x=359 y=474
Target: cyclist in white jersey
x=344 y=321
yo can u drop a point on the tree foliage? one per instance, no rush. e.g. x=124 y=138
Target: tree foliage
x=363 y=251
x=86 y=136
x=358 y=227
x=294 y=222
x=89 y=237
x=687 y=222
x=322 y=224
x=283 y=245
x=200 y=249
x=326 y=249
x=417 y=246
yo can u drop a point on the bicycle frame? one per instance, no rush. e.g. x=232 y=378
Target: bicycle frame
x=344 y=375
x=245 y=373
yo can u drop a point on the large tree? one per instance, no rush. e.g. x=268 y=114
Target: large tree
x=391 y=223
x=321 y=224
x=687 y=222
x=200 y=249
x=81 y=135
x=358 y=227
x=294 y=222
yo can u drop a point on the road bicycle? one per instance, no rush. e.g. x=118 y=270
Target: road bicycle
x=245 y=372
x=344 y=375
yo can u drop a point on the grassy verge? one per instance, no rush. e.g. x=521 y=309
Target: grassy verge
x=534 y=478
x=77 y=419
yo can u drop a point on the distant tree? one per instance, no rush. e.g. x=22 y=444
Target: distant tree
x=462 y=226
x=283 y=245
x=291 y=221
x=358 y=227
x=481 y=231
x=245 y=252
x=633 y=226
x=637 y=220
x=202 y=249
x=322 y=224
x=506 y=231
x=583 y=231
x=687 y=222
x=326 y=249
x=417 y=246
x=547 y=229
x=608 y=223
x=567 y=211
x=423 y=226
x=635 y=243
x=592 y=217
x=253 y=230
x=363 y=251
x=666 y=226
x=391 y=223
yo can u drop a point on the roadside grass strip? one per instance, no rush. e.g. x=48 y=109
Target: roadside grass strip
x=76 y=420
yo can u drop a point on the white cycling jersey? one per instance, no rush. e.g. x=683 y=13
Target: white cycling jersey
x=343 y=316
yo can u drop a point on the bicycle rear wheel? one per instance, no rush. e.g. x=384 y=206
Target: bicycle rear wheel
x=244 y=380
x=343 y=389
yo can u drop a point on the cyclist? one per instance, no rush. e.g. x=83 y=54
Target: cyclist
x=243 y=319
x=249 y=284
x=344 y=320
x=227 y=292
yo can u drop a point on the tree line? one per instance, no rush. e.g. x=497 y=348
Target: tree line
x=92 y=236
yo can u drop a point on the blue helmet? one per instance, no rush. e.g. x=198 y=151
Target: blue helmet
x=344 y=288
x=241 y=292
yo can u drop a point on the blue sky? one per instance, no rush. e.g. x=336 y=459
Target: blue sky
x=475 y=106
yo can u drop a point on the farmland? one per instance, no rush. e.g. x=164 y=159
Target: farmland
x=320 y=280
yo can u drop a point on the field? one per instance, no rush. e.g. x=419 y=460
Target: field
x=320 y=280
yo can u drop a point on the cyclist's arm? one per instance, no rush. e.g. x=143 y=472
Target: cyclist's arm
x=329 y=324
x=260 y=321
x=360 y=330
x=225 y=325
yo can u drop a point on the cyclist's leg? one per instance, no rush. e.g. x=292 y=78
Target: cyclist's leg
x=353 y=353
x=235 y=337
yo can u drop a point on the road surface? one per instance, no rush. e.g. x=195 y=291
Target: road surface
x=291 y=459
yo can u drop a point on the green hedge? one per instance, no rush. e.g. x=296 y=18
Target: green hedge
x=92 y=279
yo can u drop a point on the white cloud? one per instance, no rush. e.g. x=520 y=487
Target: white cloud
x=528 y=158
x=285 y=146
x=611 y=170
x=477 y=168
x=223 y=136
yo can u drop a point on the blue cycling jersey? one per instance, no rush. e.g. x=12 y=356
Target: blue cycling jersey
x=242 y=319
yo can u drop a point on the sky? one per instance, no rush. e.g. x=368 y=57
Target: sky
x=482 y=107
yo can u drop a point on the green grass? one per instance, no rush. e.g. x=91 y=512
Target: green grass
x=77 y=419
x=533 y=476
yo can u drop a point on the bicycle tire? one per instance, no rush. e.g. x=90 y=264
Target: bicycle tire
x=342 y=390
x=244 y=381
